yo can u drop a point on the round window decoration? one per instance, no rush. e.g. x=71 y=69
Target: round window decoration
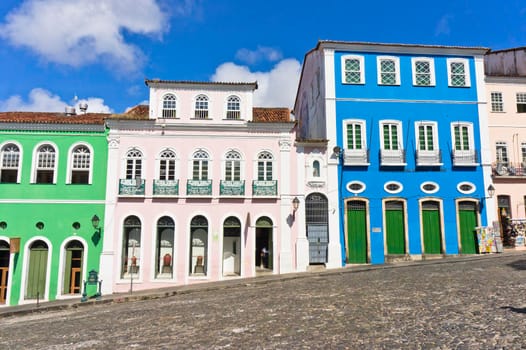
x=76 y=225
x=40 y=225
x=429 y=187
x=356 y=187
x=466 y=187
x=393 y=187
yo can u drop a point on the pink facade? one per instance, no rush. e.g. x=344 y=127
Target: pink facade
x=200 y=188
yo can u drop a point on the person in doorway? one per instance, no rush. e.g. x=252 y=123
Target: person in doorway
x=264 y=257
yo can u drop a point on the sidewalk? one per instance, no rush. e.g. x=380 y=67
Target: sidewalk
x=232 y=283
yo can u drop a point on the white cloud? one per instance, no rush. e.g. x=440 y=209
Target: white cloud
x=41 y=100
x=276 y=88
x=79 y=32
x=443 y=26
x=261 y=53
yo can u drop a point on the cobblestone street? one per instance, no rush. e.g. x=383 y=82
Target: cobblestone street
x=447 y=304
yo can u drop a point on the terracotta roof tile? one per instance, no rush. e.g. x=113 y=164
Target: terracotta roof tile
x=270 y=115
x=139 y=112
x=52 y=118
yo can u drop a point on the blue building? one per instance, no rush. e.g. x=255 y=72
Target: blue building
x=405 y=129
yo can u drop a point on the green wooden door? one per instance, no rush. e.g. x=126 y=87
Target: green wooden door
x=431 y=227
x=356 y=232
x=467 y=215
x=394 y=227
x=36 y=277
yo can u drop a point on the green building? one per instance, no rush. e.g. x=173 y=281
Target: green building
x=52 y=200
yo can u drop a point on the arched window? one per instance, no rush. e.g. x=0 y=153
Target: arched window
x=316 y=168
x=233 y=166
x=4 y=270
x=167 y=165
x=9 y=163
x=233 y=108
x=131 y=247
x=134 y=164
x=265 y=160
x=201 y=107
x=200 y=166
x=198 y=245
x=80 y=165
x=45 y=166
x=165 y=248
x=231 y=246
x=37 y=270
x=169 y=107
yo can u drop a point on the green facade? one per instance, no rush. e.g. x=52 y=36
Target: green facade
x=58 y=243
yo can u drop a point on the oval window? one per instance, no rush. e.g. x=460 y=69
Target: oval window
x=356 y=187
x=429 y=187
x=466 y=187
x=393 y=187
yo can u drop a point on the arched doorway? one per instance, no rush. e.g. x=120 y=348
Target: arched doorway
x=4 y=270
x=164 y=251
x=37 y=271
x=73 y=267
x=264 y=254
x=317 y=222
x=131 y=247
x=431 y=227
x=395 y=227
x=198 y=245
x=467 y=222
x=356 y=232
x=232 y=246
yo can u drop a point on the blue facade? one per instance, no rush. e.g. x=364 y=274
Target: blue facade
x=402 y=121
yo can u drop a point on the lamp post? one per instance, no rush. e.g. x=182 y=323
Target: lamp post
x=295 y=206
x=95 y=221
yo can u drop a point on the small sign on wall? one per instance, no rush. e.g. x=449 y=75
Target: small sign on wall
x=14 y=245
x=377 y=229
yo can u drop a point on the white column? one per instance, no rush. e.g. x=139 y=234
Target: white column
x=302 y=244
x=285 y=227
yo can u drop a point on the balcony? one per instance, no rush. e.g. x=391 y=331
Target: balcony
x=464 y=158
x=199 y=188
x=392 y=157
x=232 y=188
x=356 y=157
x=500 y=169
x=165 y=188
x=265 y=188
x=428 y=158
x=131 y=187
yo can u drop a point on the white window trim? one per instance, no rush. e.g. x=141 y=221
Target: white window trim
x=379 y=59
x=473 y=187
x=399 y=130
x=310 y=168
x=273 y=161
x=20 y=160
x=125 y=158
x=25 y=269
x=470 y=135
x=437 y=187
x=70 y=162
x=362 y=69
x=177 y=105
x=34 y=162
x=191 y=164
x=194 y=100
x=225 y=113
x=158 y=163
x=466 y=69
x=399 y=184
x=434 y=127
x=62 y=265
x=241 y=164
x=154 y=276
x=363 y=123
x=431 y=62
x=137 y=277
x=348 y=186
x=491 y=101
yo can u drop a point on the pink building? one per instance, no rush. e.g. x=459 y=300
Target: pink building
x=506 y=94
x=202 y=186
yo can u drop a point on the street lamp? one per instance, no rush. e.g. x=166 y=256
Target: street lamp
x=491 y=191
x=295 y=206
x=95 y=221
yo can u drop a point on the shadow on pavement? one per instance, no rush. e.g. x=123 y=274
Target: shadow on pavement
x=519 y=310
x=518 y=265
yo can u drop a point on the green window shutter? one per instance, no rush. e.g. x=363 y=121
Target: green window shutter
x=421 y=138
x=465 y=138
x=394 y=131
x=386 y=137
x=429 y=138
x=350 y=139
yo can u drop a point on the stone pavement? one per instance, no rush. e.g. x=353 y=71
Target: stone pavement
x=475 y=302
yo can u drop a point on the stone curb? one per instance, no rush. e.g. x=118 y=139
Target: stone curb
x=58 y=305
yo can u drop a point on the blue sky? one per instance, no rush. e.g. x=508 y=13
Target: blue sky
x=102 y=50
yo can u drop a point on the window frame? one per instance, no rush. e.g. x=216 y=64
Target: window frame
x=19 y=160
x=431 y=61
x=467 y=76
x=230 y=165
x=496 y=105
x=520 y=98
x=201 y=99
x=503 y=158
x=470 y=135
x=71 y=163
x=265 y=166
x=137 y=165
x=361 y=72
x=160 y=228
x=174 y=166
x=396 y=60
x=233 y=101
x=35 y=167
x=171 y=113
x=435 y=135
x=126 y=230
x=363 y=134
x=200 y=165
x=399 y=130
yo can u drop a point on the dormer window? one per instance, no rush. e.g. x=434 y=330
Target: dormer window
x=201 y=107
x=169 y=107
x=233 y=108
